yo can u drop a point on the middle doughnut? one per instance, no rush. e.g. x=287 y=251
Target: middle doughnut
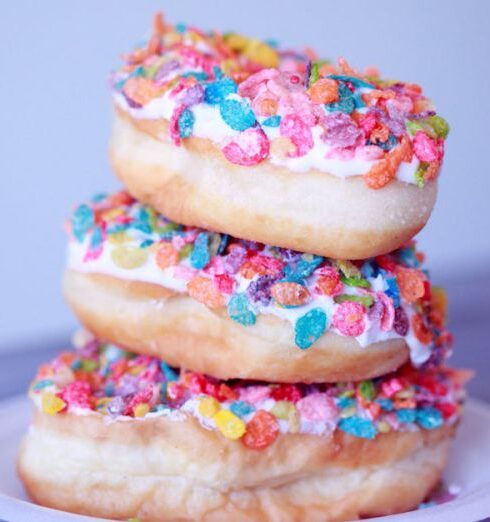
x=238 y=309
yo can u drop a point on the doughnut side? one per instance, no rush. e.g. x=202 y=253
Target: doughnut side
x=156 y=468
x=312 y=212
x=186 y=333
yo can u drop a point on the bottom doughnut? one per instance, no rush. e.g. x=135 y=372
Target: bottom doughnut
x=165 y=470
x=120 y=435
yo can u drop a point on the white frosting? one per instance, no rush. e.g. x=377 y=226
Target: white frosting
x=209 y=124
x=150 y=272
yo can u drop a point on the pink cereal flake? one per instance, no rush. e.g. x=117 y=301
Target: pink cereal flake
x=340 y=130
x=249 y=148
x=184 y=272
x=317 y=407
x=77 y=394
x=349 y=319
x=388 y=315
x=251 y=86
x=174 y=124
x=426 y=149
x=255 y=394
x=298 y=132
x=369 y=152
x=340 y=154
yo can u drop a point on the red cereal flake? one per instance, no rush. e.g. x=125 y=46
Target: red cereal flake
x=421 y=330
x=175 y=391
x=267 y=265
x=225 y=283
x=262 y=431
x=290 y=294
x=286 y=392
x=143 y=396
x=328 y=282
x=447 y=409
x=205 y=291
x=411 y=283
x=225 y=393
x=166 y=256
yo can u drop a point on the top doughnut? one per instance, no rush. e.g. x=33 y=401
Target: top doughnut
x=235 y=135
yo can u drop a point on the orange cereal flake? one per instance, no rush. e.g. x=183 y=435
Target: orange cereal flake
x=205 y=291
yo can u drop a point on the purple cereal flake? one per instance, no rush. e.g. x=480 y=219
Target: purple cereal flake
x=233 y=261
x=340 y=130
x=127 y=385
x=90 y=349
x=116 y=406
x=165 y=69
x=401 y=324
x=193 y=95
x=131 y=102
x=289 y=256
x=422 y=115
x=259 y=291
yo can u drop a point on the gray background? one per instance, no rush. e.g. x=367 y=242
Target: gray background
x=55 y=116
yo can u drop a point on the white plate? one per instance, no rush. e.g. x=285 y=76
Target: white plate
x=469 y=469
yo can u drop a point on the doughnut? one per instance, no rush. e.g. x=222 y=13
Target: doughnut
x=233 y=308
x=121 y=435
x=231 y=134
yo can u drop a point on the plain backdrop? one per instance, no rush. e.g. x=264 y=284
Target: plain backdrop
x=55 y=120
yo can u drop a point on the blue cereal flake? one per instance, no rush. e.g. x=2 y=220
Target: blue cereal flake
x=356 y=82
x=406 y=415
x=146 y=243
x=393 y=291
x=42 y=384
x=223 y=243
x=180 y=28
x=310 y=327
x=241 y=408
x=272 y=121
x=200 y=253
x=358 y=427
x=346 y=102
x=168 y=373
x=82 y=221
x=239 y=310
x=185 y=123
x=429 y=418
x=217 y=91
x=198 y=75
x=237 y=114
x=408 y=257
x=386 y=145
x=386 y=404
x=345 y=402
x=303 y=268
x=96 y=241
x=368 y=269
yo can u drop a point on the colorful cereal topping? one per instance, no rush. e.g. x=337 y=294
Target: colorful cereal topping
x=107 y=380
x=257 y=101
x=376 y=299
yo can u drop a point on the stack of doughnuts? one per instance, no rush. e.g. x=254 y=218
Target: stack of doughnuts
x=261 y=338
